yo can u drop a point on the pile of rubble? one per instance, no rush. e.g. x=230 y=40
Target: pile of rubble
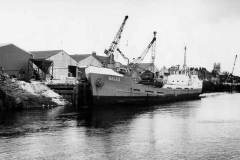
x=20 y=94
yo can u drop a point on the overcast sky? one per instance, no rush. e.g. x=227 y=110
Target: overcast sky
x=209 y=28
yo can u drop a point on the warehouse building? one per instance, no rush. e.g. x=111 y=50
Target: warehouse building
x=85 y=60
x=14 y=61
x=55 y=65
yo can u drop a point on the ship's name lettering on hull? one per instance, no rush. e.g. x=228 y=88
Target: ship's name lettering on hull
x=112 y=78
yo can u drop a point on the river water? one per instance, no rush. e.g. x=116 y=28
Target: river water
x=201 y=129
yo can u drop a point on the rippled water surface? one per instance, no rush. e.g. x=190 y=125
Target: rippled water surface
x=202 y=129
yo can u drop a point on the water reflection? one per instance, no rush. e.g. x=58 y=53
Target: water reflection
x=200 y=129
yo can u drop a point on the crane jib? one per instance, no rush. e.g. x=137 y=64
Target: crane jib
x=151 y=44
x=115 y=42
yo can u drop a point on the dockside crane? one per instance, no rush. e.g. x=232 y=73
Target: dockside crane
x=154 y=48
x=115 y=42
x=120 y=52
x=231 y=75
x=234 y=64
x=152 y=45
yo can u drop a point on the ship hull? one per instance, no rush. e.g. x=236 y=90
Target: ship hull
x=114 y=90
x=121 y=100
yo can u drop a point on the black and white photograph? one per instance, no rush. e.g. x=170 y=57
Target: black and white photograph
x=119 y=79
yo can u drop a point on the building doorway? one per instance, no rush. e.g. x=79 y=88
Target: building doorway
x=72 y=71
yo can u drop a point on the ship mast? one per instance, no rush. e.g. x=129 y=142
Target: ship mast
x=185 y=54
x=185 y=59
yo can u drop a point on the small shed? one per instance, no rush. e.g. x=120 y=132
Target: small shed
x=56 y=64
x=14 y=60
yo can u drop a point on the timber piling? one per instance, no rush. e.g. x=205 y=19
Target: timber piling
x=83 y=99
x=78 y=94
x=65 y=90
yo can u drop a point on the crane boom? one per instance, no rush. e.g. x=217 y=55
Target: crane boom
x=234 y=63
x=151 y=44
x=230 y=75
x=120 y=52
x=154 y=49
x=115 y=42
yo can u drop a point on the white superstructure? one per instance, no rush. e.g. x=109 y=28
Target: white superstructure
x=183 y=81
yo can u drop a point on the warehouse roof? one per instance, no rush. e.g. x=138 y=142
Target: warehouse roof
x=44 y=54
x=10 y=45
x=102 y=59
x=79 y=57
x=4 y=44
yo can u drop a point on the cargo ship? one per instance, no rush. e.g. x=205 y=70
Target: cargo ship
x=110 y=87
x=120 y=85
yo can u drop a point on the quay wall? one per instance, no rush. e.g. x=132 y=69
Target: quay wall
x=65 y=90
x=209 y=87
